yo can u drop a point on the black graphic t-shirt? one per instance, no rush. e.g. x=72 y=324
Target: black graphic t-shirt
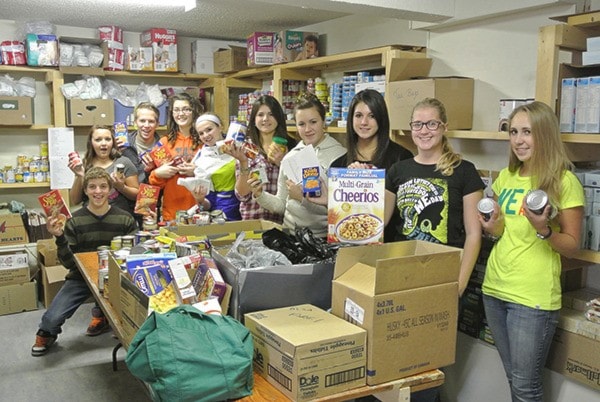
x=429 y=204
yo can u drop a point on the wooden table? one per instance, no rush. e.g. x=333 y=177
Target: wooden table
x=263 y=391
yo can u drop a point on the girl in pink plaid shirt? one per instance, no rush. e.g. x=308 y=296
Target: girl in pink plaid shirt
x=267 y=121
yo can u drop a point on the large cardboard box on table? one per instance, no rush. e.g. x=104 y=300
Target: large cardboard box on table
x=16 y=111
x=12 y=230
x=306 y=352
x=256 y=225
x=18 y=297
x=405 y=294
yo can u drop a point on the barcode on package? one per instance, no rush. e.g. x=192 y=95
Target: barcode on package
x=281 y=378
x=334 y=379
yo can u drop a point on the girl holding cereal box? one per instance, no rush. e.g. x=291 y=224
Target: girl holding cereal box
x=290 y=199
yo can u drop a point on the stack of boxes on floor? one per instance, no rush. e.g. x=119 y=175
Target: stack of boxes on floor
x=18 y=288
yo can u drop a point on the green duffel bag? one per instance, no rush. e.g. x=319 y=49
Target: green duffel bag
x=186 y=355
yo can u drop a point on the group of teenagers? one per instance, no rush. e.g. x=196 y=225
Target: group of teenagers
x=431 y=195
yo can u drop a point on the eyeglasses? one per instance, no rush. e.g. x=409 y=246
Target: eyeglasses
x=185 y=110
x=431 y=125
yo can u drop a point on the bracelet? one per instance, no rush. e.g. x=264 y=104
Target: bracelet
x=491 y=237
x=244 y=170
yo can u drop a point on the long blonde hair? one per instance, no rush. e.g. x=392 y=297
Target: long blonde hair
x=549 y=158
x=449 y=159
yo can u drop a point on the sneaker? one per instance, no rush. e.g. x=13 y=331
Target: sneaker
x=43 y=341
x=99 y=325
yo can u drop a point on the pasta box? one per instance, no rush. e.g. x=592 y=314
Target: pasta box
x=355 y=205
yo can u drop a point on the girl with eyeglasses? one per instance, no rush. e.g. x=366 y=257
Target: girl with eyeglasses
x=436 y=192
x=182 y=142
x=435 y=195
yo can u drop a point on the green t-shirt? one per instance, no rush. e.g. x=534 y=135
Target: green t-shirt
x=522 y=268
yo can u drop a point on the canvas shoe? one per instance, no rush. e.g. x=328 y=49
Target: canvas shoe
x=43 y=341
x=99 y=323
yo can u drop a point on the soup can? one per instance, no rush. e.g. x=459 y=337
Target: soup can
x=102 y=278
x=116 y=243
x=536 y=201
x=102 y=259
x=127 y=241
x=485 y=206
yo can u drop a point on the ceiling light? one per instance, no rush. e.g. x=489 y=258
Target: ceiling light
x=186 y=4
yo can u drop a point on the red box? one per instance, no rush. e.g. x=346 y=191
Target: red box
x=110 y=32
x=164 y=47
x=13 y=52
x=114 y=56
x=260 y=48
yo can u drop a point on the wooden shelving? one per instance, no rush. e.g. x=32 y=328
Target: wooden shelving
x=5 y=186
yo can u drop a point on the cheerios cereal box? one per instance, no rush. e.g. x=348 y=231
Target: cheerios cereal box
x=355 y=205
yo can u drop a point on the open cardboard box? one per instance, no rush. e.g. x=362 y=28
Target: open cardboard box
x=405 y=294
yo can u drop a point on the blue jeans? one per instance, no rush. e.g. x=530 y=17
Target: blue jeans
x=522 y=336
x=71 y=295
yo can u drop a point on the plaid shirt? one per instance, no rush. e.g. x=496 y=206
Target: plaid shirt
x=249 y=208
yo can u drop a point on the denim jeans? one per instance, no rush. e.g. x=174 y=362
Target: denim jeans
x=522 y=336
x=68 y=299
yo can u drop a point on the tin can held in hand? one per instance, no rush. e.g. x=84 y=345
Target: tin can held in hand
x=75 y=159
x=485 y=206
x=536 y=201
x=120 y=170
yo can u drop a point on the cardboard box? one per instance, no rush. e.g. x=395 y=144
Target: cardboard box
x=405 y=294
x=325 y=357
x=575 y=356
x=257 y=225
x=139 y=59
x=17 y=298
x=164 y=48
x=203 y=54
x=577 y=299
x=53 y=277
x=260 y=47
x=12 y=230
x=456 y=93
x=133 y=304
x=87 y=112
x=229 y=60
x=47 y=252
x=14 y=267
x=289 y=44
x=16 y=111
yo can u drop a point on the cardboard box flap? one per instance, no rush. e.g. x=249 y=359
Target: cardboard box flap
x=55 y=273
x=361 y=277
x=227 y=227
x=400 y=265
x=405 y=69
x=232 y=47
x=47 y=252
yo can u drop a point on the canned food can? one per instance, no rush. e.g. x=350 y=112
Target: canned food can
x=120 y=169
x=181 y=217
x=149 y=223
x=102 y=277
x=201 y=218
x=217 y=216
x=121 y=256
x=75 y=158
x=485 y=206
x=536 y=201
x=236 y=131
x=102 y=259
x=142 y=236
x=127 y=241
x=39 y=177
x=44 y=148
x=44 y=164
x=116 y=243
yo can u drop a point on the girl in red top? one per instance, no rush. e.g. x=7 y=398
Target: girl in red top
x=182 y=141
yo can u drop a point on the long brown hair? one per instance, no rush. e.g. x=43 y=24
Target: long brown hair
x=549 y=158
x=449 y=159
x=277 y=112
x=173 y=127
x=89 y=150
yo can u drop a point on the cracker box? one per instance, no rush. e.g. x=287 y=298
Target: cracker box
x=160 y=155
x=356 y=205
x=146 y=199
x=260 y=46
x=54 y=205
x=164 y=47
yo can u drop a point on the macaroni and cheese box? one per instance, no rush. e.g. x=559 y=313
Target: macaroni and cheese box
x=356 y=205
x=311 y=186
x=55 y=205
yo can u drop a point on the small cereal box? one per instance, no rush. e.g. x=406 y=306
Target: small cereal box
x=311 y=185
x=54 y=205
x=356 y=205
x=120 y=128
x=147 y=199
x=259 y=173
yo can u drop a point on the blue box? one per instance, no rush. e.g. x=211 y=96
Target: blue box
x=125 y=113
